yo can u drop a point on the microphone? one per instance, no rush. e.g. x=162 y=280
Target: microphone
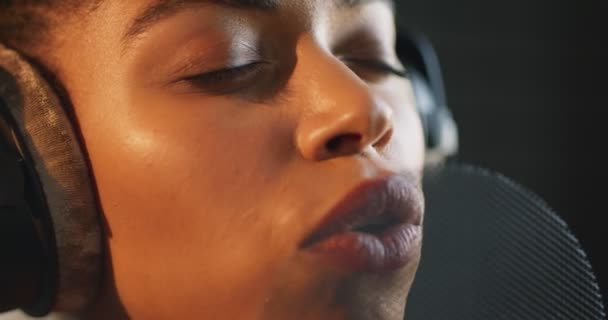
x=494 y=250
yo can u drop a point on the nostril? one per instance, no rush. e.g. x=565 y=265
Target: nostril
x=384 y=139
x=344 y=144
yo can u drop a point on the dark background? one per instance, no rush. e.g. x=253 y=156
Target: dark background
x=526 y=81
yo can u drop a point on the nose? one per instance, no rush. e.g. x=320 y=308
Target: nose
x=347 y=117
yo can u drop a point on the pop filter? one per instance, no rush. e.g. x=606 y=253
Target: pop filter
x=493 y=250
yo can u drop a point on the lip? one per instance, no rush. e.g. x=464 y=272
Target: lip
x=375 y=228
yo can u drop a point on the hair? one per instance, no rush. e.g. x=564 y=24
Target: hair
x=27 y=25
x=24 y=23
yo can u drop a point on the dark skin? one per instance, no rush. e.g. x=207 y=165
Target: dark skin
x=204 y=126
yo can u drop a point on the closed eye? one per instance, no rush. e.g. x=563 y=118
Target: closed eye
x=222 y=76
x=376 y=65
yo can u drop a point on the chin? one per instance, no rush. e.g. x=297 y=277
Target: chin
x=318 y=293
x=378 y=296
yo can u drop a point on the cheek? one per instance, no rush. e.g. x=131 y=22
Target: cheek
x=407 y=148
x=182 y=193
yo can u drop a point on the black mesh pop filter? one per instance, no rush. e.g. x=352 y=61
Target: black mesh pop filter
x=493 y=250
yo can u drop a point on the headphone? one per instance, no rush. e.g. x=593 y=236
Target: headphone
x=50 y=228
x=420 y=60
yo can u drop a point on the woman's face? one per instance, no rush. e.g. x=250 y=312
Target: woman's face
x=222 y=133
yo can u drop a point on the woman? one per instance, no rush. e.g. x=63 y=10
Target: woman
x=253 y=159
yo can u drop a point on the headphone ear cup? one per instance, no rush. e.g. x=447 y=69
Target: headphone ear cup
x=56 y=166
x=440 y=129
x=22 y=267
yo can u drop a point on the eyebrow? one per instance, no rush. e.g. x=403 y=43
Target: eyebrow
x=161 y=9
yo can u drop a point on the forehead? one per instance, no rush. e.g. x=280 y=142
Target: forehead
x=157 y=10
x=265 y=4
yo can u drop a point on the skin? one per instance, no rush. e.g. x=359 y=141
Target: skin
x=207 y=191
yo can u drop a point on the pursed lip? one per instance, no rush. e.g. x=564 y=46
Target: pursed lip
x=376 y=227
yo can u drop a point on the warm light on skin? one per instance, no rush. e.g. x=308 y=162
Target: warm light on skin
x=207 y=194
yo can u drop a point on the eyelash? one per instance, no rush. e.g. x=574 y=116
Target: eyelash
x=226 y=74
x=379 y=65
x=243 y=73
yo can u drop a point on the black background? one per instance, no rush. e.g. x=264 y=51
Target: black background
x=526 y=81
